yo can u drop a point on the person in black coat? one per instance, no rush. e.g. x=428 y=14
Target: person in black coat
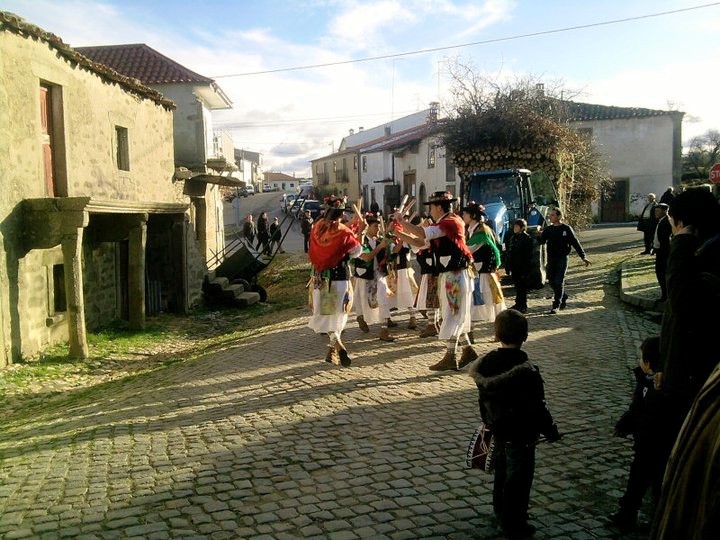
x=668 y=196
x=644 y=421
x=511 y=396
x=263 y=232
x=661 y=247
x=519 y=262
x=646 y=223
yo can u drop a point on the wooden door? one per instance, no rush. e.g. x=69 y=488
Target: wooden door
x=615 y=208
x=47 y=142
x=408 y=183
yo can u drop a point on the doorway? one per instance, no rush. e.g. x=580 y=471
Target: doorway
x=614 y=208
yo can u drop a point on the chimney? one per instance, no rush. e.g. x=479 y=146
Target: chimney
x=432 y=115
x=388 y=130
x=360 y=129
x=352 y=131
x=540 y=89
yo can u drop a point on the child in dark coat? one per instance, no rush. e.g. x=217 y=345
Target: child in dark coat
x=644 y=421
x=512 y=403
x=519 y=262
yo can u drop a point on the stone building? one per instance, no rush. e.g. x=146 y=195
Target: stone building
x=94 y=226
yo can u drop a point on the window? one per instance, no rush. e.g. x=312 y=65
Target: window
x=53 y=139
x=122 y=148
x=59 y=298
x=364 y=163
x=431 y=155
x=354 y=163
x=334 y=166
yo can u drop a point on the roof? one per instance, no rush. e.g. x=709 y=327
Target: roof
x=278 y=177
x=143 y=63
x=578 y=112
x=398 y=140
x=9 y=22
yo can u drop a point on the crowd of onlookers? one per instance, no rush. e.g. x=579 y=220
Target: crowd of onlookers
x=263 y=236
x=675 y=412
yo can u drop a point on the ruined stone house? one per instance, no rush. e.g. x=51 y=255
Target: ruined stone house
x=94 y=225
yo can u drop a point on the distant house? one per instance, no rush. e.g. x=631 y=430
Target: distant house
x=207 y=153
x=94 y=226
x=281 y=182
x=643 y=148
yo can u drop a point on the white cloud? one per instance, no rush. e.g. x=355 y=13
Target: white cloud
x=361 y=25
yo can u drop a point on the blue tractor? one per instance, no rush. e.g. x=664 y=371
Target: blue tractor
x=507 y=195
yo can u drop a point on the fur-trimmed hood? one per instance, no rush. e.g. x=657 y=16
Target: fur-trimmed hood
x=501 y=368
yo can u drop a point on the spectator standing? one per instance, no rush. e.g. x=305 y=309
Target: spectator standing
x=646 y=223
x=249 y=230
x=646 y=426
x=519 y=262
x=511 y=396
x=560 y=239
x=306 y=223
x=688 y=334
x=275 y=234
x=668 y=196
x=263 y=233
x=661 y=247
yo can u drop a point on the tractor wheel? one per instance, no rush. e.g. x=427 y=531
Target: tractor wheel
x=260 y=290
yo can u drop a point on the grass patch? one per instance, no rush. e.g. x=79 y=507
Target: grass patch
x=116 y=351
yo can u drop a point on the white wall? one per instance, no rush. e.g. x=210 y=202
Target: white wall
x=640 y=149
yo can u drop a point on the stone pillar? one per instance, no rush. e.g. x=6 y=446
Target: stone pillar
x=137 y=239
x=72 y=259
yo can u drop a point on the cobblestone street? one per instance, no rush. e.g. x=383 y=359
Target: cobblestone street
x=266 y=440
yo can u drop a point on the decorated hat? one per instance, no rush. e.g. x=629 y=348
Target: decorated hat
x=334 y=201
x=440 y=197
x=473 y=207
x=371 y=217
x=663 y=205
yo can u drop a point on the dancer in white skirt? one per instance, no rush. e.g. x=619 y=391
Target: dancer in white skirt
x=332 y=244
x=401 y=278
x=452 y=259
x=372 y=304
x=488 y=298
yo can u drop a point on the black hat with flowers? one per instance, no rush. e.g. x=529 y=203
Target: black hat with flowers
x=441 y=197
x=371 y=217
x=335 y=201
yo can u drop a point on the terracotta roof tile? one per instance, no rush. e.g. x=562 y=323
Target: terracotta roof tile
x=587 y=111
x=143 y=63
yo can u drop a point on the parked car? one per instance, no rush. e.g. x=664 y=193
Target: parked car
x=287 y=201
x=249 y=190
x=312 y=205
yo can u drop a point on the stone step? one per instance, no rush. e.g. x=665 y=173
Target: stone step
x=247 y=299
x=233 y=291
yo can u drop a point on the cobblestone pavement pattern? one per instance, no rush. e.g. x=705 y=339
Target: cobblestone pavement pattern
x=265 y=440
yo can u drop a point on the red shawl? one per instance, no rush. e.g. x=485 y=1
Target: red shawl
x=454 y=228
x=330 y=241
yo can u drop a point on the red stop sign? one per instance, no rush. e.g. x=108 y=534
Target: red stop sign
x=715 y=173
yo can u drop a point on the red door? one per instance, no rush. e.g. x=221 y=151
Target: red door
x=614 y=208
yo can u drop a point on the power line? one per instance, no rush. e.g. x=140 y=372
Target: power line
x=471 y=44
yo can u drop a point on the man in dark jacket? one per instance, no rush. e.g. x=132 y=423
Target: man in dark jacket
x=560 y=238
x=306 y=223
x=519 y=262
x=646 y=223
x=661 y=247
x=249 y=230
x=511 y=395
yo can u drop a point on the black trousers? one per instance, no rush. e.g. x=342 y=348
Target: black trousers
x=661 y=271
x=514 y=471
x=556 y=270
x=306 y=242
x=646 y=471
x=520 y=291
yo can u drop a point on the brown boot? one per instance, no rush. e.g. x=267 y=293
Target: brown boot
x=385 y=335
x=471 y=337
x=343 y=355
x=362 y=324
x=448 y=362
x=468 y=355
x=430 y=330
x=412 y=323
x=391 y=323
x=332 y=355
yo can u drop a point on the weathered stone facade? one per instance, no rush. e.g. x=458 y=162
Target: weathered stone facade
x=87 y=164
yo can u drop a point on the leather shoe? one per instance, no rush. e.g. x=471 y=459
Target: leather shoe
x=446 y=363
x=468 y=355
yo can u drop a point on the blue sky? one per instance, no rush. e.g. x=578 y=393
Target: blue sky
x=294 y=116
